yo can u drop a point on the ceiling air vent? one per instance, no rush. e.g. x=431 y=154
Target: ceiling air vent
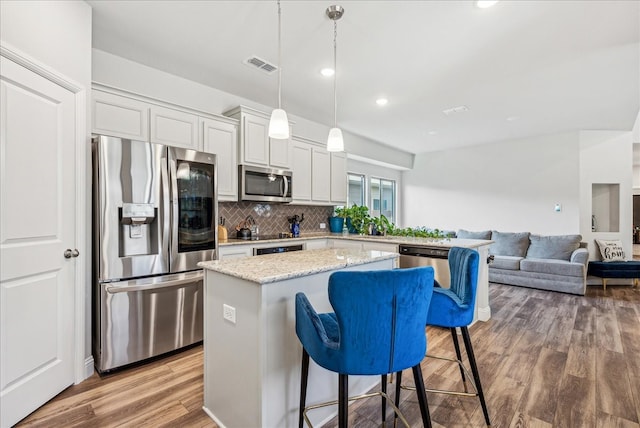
x=260 y=64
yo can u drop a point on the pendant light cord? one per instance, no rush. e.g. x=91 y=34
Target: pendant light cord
x=279 y=58
x=335 y=75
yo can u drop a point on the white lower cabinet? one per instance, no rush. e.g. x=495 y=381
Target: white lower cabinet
x=316 y=244
x=234 y=252
x=379 y=246
x=346 y=243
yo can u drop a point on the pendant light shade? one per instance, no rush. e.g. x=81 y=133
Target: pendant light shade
x=335 y=142
x=279 y=123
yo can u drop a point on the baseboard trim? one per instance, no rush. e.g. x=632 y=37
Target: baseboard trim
x=88 y=367
x=212 y=416
x=484 y=314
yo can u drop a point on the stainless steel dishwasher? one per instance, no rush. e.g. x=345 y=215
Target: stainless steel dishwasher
x=437 y=257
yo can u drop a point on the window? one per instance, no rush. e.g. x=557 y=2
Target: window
x=356 y=189
x=383 y=196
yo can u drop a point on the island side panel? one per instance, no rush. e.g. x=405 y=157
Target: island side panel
x=283 y=351
x=483 y=308
x=232 y=375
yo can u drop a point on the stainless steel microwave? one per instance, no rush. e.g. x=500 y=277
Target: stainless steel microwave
x=263 y=184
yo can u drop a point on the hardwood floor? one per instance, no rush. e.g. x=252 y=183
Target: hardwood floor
x=546 y=360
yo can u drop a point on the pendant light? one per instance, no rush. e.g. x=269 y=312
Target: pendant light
x=335 y=143
x=279 y=123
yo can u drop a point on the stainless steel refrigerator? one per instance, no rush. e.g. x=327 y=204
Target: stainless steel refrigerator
x=154 y=218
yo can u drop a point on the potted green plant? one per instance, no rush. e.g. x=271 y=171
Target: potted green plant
x=359 y=219
x=336 y=222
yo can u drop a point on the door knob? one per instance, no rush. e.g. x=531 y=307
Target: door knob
x=68 y=253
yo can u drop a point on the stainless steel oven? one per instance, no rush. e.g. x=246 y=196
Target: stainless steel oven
x=264 y=184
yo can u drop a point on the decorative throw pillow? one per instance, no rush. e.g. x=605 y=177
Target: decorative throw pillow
x=611 y=251
x=465 y=234
x=558 y=247
x=509 y=244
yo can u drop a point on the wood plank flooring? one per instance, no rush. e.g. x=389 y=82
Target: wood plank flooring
x=546 y=360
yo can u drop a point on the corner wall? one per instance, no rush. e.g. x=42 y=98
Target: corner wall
x=506 y=186
x=606 y=157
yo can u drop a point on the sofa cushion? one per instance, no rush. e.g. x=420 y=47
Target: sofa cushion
x=509 y=244
x=611 y=251
x=466 y=234
x=558 y=247
x=506 y=262
x=552 y=266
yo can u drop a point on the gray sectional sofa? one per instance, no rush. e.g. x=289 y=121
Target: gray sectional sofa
x=557 y=263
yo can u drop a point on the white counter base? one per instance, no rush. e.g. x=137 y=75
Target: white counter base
x=252 y=367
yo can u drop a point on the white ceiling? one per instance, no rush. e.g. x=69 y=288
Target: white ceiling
x=554 y=65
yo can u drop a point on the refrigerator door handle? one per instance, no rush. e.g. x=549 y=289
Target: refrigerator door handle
x=130 y=286
x=166 y=201
x=173 y=180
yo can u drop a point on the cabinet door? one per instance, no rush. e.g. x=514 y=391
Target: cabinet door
x=338 y=178
x=174 y=128
x=301 y=178
x=234 y=252
x=118 y=116
x=255 y=142
x=320 y=175
x=279 y=153
x=221 y=139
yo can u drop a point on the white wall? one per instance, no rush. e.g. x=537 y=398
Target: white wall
x=57 y=34
x=506 y=186
x=371 y=170
x=121 y=73
x=606 y=157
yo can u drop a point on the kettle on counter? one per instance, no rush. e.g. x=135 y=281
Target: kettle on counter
x=294 y=224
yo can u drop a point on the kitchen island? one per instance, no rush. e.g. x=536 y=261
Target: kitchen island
x=251 y=351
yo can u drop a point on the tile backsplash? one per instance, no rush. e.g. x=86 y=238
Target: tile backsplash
x=272 y=218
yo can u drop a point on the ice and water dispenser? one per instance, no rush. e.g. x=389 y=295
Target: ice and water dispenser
x=138 y=229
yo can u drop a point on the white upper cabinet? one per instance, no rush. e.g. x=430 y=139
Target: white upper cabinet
x=255 y=146
x=221 y=138
x=279 y=152
x=339 y=178
x=119 y=116
x=301 y=163
x=174 y=128
x=320 y=175
x=255 y=140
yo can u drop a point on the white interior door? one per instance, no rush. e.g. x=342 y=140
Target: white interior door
x=37 y=225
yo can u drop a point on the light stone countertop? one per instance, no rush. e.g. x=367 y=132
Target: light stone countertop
x=281 y=266
x=400 y=240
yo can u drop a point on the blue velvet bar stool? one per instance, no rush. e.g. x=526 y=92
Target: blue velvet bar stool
x=378 y=328
x=453 y=308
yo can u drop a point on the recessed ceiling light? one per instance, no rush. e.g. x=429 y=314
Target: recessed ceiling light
x=433 y=132
x=382 y=101
x=512 y=118
x=327 y=72
x=483 y=4
x=458 y=109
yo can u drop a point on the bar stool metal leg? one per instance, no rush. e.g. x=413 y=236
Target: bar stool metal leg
x=456 y=345
x=303 y=386
x=383 y=388
x=343 y=400
x=474 y=371
x=422 y=395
